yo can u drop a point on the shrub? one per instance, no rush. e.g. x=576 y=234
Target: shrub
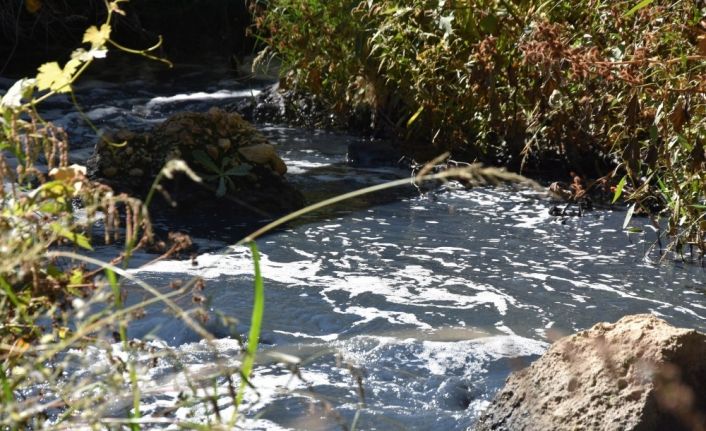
x=50 y=302
x=607 y=89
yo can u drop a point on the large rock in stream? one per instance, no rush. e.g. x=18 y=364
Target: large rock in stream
x=241 y=171
x=637 y=374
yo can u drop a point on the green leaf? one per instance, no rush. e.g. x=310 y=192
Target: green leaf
x=619 y=189
x=58 y=190
x=49 y=73
x=76 y=277
x=628 y=216
x=115 y=287
x=489 y=24
x=416 y=115
x=52 y=207
x=633 y=229
x=54 y=271
x=112 y=278
x=10 y=293
x=8 y=396
x=77 y=238
x=239 y=170
x=205 y=160
x=663 y=189
x=83 y=55
x=643 y=4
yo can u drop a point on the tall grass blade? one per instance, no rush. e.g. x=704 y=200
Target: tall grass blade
x=255 y=328
x=619 y=189
x=7 y=395
x=628 y=216
x=122 y=330
x=416 y=115
x=643 y=4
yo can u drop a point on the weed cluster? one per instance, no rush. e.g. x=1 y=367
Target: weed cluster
x=60 y=310
x=610 y=89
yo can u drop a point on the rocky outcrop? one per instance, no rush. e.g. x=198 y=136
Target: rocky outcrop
x=637 y=374
x=239 y=168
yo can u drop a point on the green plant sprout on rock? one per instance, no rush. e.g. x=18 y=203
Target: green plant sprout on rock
x=221 y=173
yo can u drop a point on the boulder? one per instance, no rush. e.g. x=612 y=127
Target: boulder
x=637 y=374
x=241 y=171
x=264 y=154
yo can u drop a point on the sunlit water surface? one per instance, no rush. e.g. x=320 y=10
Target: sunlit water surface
x=408 y=309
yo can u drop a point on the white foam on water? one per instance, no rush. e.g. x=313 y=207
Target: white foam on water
x=445 y=250
x=417 y=291
x=444 y=358
x=604 y=287
x=239 y=263
x=199 y=96
x=330 y=337
x=368 y=314
x=529 y=221
x=458 y=357
x=98 y=113
x=295 y=167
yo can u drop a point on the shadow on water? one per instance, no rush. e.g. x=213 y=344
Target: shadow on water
x=235 y=220
x=326 y=182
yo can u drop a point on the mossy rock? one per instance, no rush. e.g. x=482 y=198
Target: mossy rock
x=234 y=160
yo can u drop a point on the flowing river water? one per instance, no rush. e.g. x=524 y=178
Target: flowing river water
x=403 y=310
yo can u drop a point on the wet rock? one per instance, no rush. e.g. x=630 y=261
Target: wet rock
x=278 y=105
x=298 y=108
x=264 y=154
x=574 y=194
x=241 y=171
x=637 y=374
x=109 y=171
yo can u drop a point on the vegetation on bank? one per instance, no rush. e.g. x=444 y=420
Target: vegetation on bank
x=608 y=89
